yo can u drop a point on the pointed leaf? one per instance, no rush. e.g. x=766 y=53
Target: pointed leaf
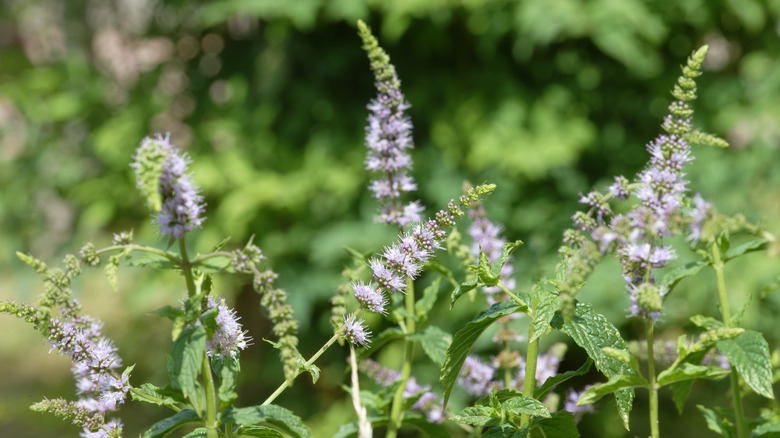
x=188 y=352
x=259 y=431
x=561 y=425
x=462 y=289
x=464 y=340
x=680 y=272
x=756 y=244
x=164 y=427
x=687 y=371
x=426 y=302
x=434 y=342
x=615 y=383
x=526 y=405
x=227 y=369
x=200 y=432
x=506 y=431
x=154 y=395
x=715 y=423
x=155 y=261
x=544 y=308
x=749 y=353
x=541 y=392
x=271 y=414
x=478 y=416
x=593 y=332
x=506 y=251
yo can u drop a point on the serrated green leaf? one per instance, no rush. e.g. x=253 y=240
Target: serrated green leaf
x=678 y=273
x=424 y=305
x=623 y=356
x=755 y=244
x=464 y=340
x=485 y=273
x=716 y=424
x=593 y=332
x=478 y=416
x=541 y=392
x=167 y=425
x=153 y=395
x=506 y=251
x=680 y=393
x=434 y=342
x=154 y=261
x=772 y=427
x=545 y=305
x=687 y=371
x=462 y=289
x=227 y=369
x=749 y=353
x=200 y=432
x=506 y=431
x=500 y=396
x=168 y=312
x=259 y=431
x=615 y=383
x=526 y=405
x=561 y=425
x=271 y=414
x=188 y=351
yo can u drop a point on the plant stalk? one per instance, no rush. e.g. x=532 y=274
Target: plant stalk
x=717 y=266
x=649 y=326
x=211 y=399
x=529 y=380
x=396 y=412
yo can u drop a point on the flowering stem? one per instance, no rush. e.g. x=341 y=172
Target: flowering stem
x=717 y=266
x=653 y=387
x=396 y=413
x=511 y=295
x=364 y=426
x=308 y=363
x=140 y=248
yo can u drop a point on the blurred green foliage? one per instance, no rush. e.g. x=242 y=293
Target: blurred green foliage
x=544 y=98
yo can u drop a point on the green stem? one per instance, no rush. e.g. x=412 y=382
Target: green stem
x=186 y=267
x=517 y=299
x=649 y=325
x=529 y=381
x=717 y=266
x=140 y=248
x=396 y=412
x=211 y=399
x=311 y=360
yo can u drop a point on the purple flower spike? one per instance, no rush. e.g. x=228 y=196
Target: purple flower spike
x=356 y=332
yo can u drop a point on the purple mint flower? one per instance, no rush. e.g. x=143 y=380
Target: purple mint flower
x=356 y=332
x=182 y=206
x=388 y=137
x=370 y=297
x=701 y=210
x=228 y=337
x=619 y=188
x=476 y=376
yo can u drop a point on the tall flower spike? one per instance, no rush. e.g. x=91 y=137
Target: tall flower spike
x=388 y=136
x=160 y=168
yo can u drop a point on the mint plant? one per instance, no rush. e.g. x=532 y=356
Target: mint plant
x=521 y=391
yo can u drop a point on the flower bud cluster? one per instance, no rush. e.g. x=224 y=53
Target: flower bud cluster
x=487 y=238
x=281 y=315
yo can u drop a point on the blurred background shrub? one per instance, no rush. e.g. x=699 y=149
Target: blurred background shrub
x=547 y=99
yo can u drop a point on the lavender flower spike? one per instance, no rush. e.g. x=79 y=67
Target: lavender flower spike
x=388 y=136
x=228 y=337
x=160 y=168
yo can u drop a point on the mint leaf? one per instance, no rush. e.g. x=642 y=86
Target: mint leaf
x=749 y=353
x=464 y=340
x=434 y=342
x=167 y=425
x=274 y=415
